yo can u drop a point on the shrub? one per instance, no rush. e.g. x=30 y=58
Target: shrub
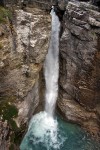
x=4 y=13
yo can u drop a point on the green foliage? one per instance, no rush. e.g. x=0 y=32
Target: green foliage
x=8 y=112
x=4 y=13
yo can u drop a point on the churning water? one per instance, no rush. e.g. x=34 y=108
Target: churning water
x=46 y=132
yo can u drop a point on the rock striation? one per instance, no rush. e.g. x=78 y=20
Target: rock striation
x=23 y=46
x=79 y=85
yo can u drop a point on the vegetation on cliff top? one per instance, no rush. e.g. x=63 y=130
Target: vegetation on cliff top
x=4 y=14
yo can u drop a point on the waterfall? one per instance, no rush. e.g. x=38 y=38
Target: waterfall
x=43 y=127
x=46 y=132
x=52 y=66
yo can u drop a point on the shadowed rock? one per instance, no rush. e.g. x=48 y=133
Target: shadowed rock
x=79 y=65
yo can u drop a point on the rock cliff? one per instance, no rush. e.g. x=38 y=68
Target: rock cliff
x=23 y=46
x=79 y=85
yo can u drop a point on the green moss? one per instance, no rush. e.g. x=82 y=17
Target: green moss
x=93 y=34
x=12 y=137
x=8 y=111
x=13 y=125
x=4 y=13
x=11 y=147
x=7 y=99
x=18 y=66
x=1 y=46
x=19 y=134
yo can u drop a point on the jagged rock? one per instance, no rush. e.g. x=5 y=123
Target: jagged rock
x=79 y=91
x=4 y=132
x=75 y=112
x=62 y=4
x=23 y=50
x=93 y=22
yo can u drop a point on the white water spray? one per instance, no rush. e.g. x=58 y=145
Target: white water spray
x=52 y=67
x=43 y=127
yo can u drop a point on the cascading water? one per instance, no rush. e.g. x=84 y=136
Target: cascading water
x=52 y=66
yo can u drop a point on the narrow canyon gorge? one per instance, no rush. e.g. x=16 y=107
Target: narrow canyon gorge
x=25 y=29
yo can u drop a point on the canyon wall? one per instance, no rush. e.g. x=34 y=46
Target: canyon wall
x=23 y=46
x=79 y=85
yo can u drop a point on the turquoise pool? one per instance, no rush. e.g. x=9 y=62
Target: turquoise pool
x=58 y=136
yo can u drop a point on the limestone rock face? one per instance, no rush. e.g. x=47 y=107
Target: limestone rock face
x=79 y=88
x=23 y=47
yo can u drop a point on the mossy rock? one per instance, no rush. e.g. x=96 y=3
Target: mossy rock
x=4 y=13
x=7 y=99
x=11 y=147
x=8 y=111
x=17 y=136
x=1 y=46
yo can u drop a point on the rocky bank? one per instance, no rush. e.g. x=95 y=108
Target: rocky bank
x=79 y=85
